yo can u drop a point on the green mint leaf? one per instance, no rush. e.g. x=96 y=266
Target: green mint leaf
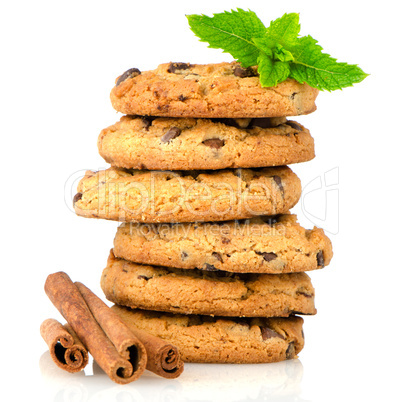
x=265 y=45
x=280 y=53
x=231 y=31
x=272 y=61
x=319 y=69
x=284 y=30
x=272 y=72
x=278 y=50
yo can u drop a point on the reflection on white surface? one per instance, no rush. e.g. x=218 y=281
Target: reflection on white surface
x=198 y=383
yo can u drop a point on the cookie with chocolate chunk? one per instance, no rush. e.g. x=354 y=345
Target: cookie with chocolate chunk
x=204 y=339
x=270 y=244
x=186 y=196
x=159 y=143
x=191 y=291
x=208 y=90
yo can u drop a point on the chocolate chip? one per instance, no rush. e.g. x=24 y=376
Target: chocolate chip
x=77 y=197
x=243 y=72
x=173 y=67
x=290 y=351
x=184 y=255
x=267 y=256
x=142 y=277
x=304 y=294
x=209 y=267
x=320 y=259
x=147 y=122
x=262 y=123
x=182 y=98
x=225 y=240
x=268 y=333
x=163 y=108
x=278 y=181
x=171 y=134
x=294 y=125
x=217 y=256
x=131 y=73
x=214 y=143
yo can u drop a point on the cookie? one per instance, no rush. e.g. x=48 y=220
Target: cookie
x=204 y=339
x=208 y=90
x=192 y=144
x=271 y=244
x=186 y=196
x=191 y=291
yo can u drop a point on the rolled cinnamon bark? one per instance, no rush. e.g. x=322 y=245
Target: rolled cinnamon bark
x=65 y=348
x=162 y=358
x=68 y=300
x=125 y=342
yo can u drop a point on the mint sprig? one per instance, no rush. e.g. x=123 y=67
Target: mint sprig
x=278 y=50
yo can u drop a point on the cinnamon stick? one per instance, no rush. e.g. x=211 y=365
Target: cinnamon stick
x=68 y=300
x=163 y=358
x=125 y=342
x=65 y=348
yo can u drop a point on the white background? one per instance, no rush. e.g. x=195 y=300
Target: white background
x=59 y=62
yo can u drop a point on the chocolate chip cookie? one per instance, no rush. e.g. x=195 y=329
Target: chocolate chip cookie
x=204 y=339
x=158 y=143
x=206 y=292
x=186 y=196
x=208 y=90
x=270 y=244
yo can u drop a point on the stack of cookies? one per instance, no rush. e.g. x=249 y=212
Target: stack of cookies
x=208 y=256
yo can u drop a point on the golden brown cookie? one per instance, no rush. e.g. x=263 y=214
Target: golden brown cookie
x=186 y=196
x=190 y=144
x=269 y=244
x=204 y=339
x=208 y=90
x=207 y=293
